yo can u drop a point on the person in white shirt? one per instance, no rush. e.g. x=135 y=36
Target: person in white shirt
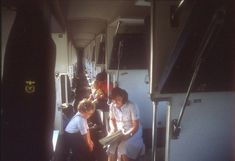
x=124 y=115
x=77 y=135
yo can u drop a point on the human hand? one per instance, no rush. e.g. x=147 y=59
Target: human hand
x=126 y=134
x=110 y=132
x=99 y=94
x=91 y=145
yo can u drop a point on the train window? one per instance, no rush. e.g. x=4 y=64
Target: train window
x=216 y=72
x=93 y=54
x=101 y=53
x=66 y=96
x=129 y=51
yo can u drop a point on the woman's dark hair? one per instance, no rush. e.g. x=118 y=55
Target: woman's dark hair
x=102 y=76
x=119 y=92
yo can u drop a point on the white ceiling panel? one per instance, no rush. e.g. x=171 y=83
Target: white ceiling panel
x=88 y=18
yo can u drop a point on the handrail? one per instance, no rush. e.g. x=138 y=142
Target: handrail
x=154 y=105
x=211 y=30
x=119 y=54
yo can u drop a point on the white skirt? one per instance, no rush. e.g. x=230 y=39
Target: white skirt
x=132 y=147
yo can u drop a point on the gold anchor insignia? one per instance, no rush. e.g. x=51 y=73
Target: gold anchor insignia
x=30 y=86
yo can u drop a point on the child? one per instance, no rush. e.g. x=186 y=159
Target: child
x=77 y=135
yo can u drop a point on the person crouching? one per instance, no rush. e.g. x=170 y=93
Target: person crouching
x=77 y=133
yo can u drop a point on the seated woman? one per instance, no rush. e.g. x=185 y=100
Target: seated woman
x=100 y=91
x=124 y=115
x=77 y=135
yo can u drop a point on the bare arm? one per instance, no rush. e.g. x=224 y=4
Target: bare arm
x=112 y=124
x=88 y=141
x=133 y=130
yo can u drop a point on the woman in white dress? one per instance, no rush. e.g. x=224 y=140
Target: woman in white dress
x=124 y=116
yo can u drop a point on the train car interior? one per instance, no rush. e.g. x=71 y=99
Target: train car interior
x=175 y=59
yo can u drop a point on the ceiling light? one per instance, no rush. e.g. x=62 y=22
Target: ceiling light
x=142 y=3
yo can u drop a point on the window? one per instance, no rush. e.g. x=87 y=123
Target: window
x=129 y=51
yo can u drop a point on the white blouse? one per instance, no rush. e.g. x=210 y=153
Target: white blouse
x=124 y=115
x=77 y=124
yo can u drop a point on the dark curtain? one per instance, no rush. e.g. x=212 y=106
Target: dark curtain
x=28 y=90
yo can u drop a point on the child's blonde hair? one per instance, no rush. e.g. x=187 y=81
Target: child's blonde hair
x=85 y=105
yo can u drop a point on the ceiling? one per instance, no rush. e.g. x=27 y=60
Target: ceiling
x=86 y=19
